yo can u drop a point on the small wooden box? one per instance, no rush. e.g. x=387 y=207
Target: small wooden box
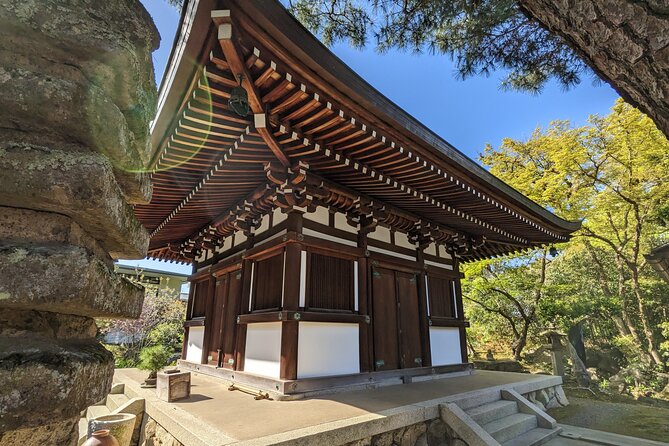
x=173 y=385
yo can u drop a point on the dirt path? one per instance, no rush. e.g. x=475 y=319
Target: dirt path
x=635 y=420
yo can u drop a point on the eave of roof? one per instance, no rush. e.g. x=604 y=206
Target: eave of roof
x=317 y=62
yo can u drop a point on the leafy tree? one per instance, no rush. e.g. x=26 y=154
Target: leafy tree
x=612 y=174
x=512 y=290
x=160 y=323
x=481 y=36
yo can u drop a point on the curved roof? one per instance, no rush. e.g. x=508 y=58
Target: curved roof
x=313 y=111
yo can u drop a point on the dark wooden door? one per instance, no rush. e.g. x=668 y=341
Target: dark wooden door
x=214 y=322
x=384 y=312
x=231 y=309
x=409 y=320
x=396 y=320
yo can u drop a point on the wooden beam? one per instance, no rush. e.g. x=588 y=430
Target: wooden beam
x=240 y=71
x=260 y=123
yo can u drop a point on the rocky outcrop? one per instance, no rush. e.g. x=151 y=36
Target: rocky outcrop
x=626 y=42
x=76 y=96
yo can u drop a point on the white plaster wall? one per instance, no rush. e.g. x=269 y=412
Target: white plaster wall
x=342 y=223
x=263 y=349
x=445 y=345
x=321 y=215
x=264 y=225
x=444 y=253
x=194 y=346
x=278 y=216
x=381 y=233
x=327 y=349
x=402 y=240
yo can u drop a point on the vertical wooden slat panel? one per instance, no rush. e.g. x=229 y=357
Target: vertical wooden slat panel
x=411 y=354
x=384 y=308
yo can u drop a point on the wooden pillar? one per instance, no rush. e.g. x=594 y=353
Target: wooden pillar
x=240 y=340
x=461 y=313
x=291 y=300
x=208 y=318
x=364 y=306
x=422 y=306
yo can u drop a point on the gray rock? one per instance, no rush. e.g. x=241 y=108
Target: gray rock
x=56 y=433
x=65 y=279
x=46 y=380
x=79 y=185
x=109 y=42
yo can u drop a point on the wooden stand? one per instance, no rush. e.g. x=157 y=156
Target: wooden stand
x=173 y=385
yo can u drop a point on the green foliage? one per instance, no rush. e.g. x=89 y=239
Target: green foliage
x=613 y=175
x=482 y=36
x=154 y=358
x=160 y=323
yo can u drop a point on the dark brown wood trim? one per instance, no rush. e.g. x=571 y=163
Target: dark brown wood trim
x=197 y=322
x=184 y=344
x=394 y=263
x=447 y=322
x=332 y=249
x=203 y=274
x=433 y=271
x=303 y=316
x=226 y=266
x=291 y=279
x=304 y=385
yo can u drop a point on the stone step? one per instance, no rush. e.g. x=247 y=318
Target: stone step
x=510 y=426
x=117 y=388
x=487 y=413
x=97 y=411
x=115 y=400
x=83 y=430
x=535 y=437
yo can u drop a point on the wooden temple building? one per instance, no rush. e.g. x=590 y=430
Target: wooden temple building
x=324 y=224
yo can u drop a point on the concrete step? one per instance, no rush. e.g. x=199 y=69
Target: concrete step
x=117 y=388
x=535 y=437
x=115 y=400
x=97 y=411
x=511 y=426
x=83 y=430
x=487 y=413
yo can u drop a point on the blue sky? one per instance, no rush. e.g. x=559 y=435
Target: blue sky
x=468 y=113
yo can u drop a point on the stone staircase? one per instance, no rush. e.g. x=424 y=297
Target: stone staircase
x=116 y=402
x=503 y=418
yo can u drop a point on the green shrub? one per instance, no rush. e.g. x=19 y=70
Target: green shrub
x=154 y=358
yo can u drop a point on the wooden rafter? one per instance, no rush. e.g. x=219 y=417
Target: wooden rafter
x=239 y=69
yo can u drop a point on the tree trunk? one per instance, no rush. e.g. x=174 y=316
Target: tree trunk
x=645 y=323
x=521 y=341
x=626 y=42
